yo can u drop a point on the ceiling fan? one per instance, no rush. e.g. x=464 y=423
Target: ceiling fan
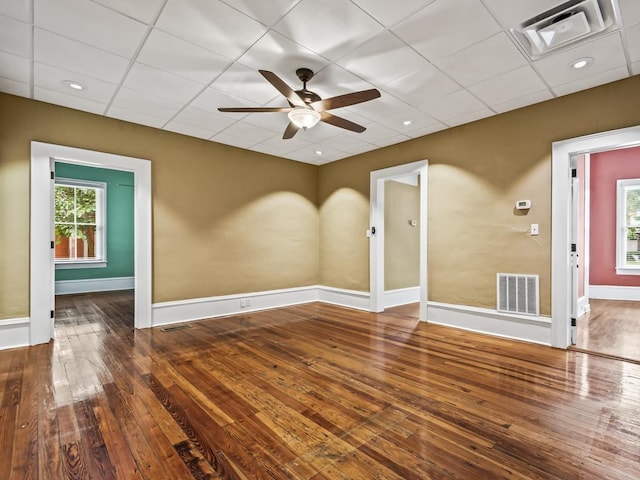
x=306 y=107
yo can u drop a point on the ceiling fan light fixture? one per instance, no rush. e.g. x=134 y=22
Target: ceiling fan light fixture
x=304 y=118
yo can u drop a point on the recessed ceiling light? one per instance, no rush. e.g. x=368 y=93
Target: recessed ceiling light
x=74 y=85
x=581 y=62
x=318 y=152
x=406 y=123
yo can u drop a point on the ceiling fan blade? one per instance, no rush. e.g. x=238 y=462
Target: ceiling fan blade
x=283 y=88
x=345 y=100
x=290 y=131
x=341 y=122
x=255 y=109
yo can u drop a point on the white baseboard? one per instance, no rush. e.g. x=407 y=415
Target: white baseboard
x=345 y=298
x=484 y=320
x=613 y=292
x=583 y=306
x=166 y=313
x=401 y=296
x=67 y=287
x=14 y=333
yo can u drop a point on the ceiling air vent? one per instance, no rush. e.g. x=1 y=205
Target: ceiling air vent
x=565 y=25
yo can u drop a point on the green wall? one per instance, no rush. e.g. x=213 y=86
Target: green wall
x=120 y=208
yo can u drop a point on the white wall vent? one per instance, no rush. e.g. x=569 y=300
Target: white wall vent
x=518 y=293
x=565 y=25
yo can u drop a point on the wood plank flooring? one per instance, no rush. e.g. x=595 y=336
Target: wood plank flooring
x=308 y=392
x=611 y=328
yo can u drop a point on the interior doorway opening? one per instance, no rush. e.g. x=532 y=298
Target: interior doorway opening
x=563 y=260
x=409 y=174
x=42 y=244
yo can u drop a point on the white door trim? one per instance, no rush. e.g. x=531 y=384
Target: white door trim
x=376 y=244
x=561 y=219
x=41 y=256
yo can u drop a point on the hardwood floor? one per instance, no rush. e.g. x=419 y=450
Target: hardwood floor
x=611 y=328
x=308 y=392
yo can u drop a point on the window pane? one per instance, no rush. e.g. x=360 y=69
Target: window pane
x=86 y=205
x=86 y=242
x=65 y=246
x=64 y=203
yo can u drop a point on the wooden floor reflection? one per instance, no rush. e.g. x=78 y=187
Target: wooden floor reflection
x=312 y=391
x=611 y=328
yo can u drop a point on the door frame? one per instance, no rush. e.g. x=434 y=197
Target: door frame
x=561 y=212
x=376 y=244
x=42 y=269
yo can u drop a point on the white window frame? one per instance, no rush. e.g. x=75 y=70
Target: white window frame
x=621 y=227
x=101 y=225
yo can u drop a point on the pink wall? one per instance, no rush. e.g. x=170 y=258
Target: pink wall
x=606 y=168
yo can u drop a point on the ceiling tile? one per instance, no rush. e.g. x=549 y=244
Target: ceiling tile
x=422 y=85
x=266 y=13
x=335 y=80
x=78 y=57
x=244 y=82
x=160 y=83
x=90 y=23
x=592 y=81
x=331 y=42
x=386 y=105
x=144 y=103
x=630 y=10
x=276 y=122
x=14 y=67
x=508 y=86
x=276 y=146
x=190 y=130
x=323 y=131
x=445 y=27
x=70 y=101
x=279 y=54
x=469 y=117
x=234 y=141
x=632 y=36
x=523 y=101
x=14 y=88
x=383 y=59
x=249 y=131
x=15 y=37
x=349 y=143
x=393 y=140
x=135 y=117
x=203 y=119
x=52 y=78
x=396 y=121
x=389 y=13
x=425 y=130
x=511 y=13
x=607 y=54
x=452 y=106
x=211 y=99
x=211 y=24
x=182 y=58
x=18 y=9
x=142 y=10
x=483 y=60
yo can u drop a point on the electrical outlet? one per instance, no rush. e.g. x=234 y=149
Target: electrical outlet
x=248 y=302
x=534 y=229
x=243 y=303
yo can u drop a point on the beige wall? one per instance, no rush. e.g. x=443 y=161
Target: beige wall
x=230 y=221
x=476 y=173
x=225 y=220
x=401 y=239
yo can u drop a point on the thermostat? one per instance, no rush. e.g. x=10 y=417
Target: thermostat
x=523 y=204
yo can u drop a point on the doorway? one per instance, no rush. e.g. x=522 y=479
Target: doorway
x=417 y=170
x=606 y=219
x=42 y=243
x=562 y=258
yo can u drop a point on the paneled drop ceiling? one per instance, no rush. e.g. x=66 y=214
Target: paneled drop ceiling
x=170 y=64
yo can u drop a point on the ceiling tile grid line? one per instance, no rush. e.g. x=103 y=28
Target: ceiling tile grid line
x=170 y=63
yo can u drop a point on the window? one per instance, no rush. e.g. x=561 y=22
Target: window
x=80 y=213
x=628 y=232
